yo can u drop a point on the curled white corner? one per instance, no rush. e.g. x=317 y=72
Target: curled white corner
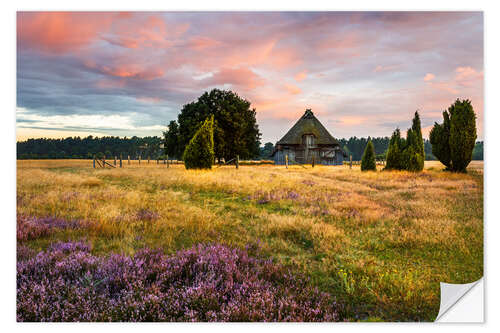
x=461 y=302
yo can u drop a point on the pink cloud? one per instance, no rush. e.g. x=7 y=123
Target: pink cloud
x=61 y=31
x=292 y=89
x=241 y=77
x=200 y=43
x=467 y=76
x=301 y=75
x=429 y=77
x=126 y=71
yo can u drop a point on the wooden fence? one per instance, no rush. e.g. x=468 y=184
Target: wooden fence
x=118 y=161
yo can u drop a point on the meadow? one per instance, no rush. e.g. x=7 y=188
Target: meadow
x=380 y=242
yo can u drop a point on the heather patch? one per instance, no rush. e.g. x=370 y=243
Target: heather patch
x=31 y=227
x=264 y=197
x=144 y=214
x=204 y=283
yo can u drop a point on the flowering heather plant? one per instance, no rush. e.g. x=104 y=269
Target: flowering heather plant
x=31 y=227
x=266 y=197
x=144 y=214
x=204 y=283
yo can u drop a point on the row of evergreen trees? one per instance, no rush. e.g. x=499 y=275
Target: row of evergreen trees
x=407 y=154
x=452 y=142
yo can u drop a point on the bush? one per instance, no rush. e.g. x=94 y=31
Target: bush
x=440 y=138
x=199 y=153
x=204 y=283
x=417 y=142
x=407 y=154
x=462 y=134
x=394 y=151
x=454 y=140
x=368 y=160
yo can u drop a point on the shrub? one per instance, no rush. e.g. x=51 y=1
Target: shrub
x=462 y=134
x=417 y=141
x=199 y=153
x=440 y=138
x=368 y=160
x=204 y=283
x=394 y=151
x=411 y=158
x=407 y=154
x=454 y=140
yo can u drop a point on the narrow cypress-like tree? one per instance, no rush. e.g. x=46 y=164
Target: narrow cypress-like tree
x=411 y=159
x=418 y=142
x=462 y=134
x=368 y=160
x=394 y=151
x=199 y=153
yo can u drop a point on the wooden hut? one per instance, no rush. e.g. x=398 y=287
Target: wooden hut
x=308 y=139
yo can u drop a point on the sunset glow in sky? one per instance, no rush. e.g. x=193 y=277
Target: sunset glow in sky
x=362 y=73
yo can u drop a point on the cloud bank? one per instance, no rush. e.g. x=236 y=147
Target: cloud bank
x=130 y=73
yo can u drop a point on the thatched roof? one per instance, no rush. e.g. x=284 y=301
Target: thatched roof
x=307 y=124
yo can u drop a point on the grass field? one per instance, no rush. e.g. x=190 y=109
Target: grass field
x=381 y=242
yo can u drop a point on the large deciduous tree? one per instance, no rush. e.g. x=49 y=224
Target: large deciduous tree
x=171 y=137
x=235 y=128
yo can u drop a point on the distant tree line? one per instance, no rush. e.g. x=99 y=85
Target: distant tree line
x=356 y=146
x=76 y=147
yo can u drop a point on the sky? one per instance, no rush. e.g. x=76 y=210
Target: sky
x=129 y=73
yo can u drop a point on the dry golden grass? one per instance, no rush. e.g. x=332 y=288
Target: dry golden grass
x=380 y=241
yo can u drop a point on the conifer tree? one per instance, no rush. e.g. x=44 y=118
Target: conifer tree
x=462 y=134
x=419 y=141
x=368 y=160
x=394 y=151
x=454 y=140
x=199 y=153
x=440 y=140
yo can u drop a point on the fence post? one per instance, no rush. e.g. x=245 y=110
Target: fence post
x=168 y=166
x=286 y=161
x=237 y=161
x=120 y=160
x=139 y=159
x=148 y=159
x=104 y=161
x=128 y=157
x=350 y=161
x=164 y=160
x=94 y=161
x=312 y=162
x=115 y=161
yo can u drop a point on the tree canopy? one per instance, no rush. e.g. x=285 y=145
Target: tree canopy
x=235 y=127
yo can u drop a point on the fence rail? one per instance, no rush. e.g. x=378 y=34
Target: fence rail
x=102 y=163
x=119 y=162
